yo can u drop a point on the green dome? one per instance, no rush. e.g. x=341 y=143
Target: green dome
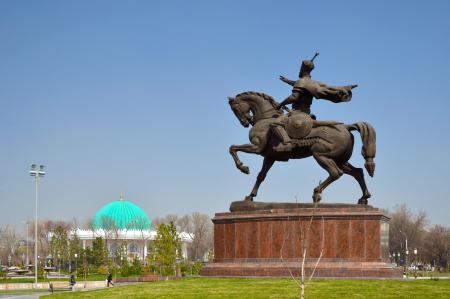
x=121 y=214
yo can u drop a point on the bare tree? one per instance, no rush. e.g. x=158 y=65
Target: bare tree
x=167 y=220
x=184 y=224
x=404 y=224
x=201 y=234
x=10 y=240
x=74 y=224
x=437 y=246
x=89 y=225
x=110 y=229
x=304 y=237
x=143 y=226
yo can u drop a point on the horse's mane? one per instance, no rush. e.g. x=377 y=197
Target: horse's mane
x=262 y=95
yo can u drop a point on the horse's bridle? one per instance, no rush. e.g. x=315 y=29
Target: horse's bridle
x=243 y=119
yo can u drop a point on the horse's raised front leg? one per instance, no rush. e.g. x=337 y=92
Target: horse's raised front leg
x=267 y=164
x=334 y=173
x=358 y=174
x=246 y=148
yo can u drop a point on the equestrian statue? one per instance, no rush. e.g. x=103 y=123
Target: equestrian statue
x=297 y=134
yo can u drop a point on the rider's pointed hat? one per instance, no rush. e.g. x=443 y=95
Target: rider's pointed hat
x=307 y=66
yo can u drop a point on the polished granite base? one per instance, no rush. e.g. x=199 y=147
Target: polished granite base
x=352 y=241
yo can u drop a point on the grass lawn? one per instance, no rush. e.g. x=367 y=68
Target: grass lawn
x=271 y=288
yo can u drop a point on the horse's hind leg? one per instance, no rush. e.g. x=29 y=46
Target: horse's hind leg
x=334 y=173
x=267 y=164
x=358 y=174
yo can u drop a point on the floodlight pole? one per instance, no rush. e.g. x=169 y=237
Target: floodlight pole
x=37 y=174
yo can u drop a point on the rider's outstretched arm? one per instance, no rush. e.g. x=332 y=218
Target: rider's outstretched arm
x=286 y=80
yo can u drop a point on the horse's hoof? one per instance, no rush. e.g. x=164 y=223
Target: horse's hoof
x=248 y=198
x=363 y=201
x=244 y=169
x=317 y=197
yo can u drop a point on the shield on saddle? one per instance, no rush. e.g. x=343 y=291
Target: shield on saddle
x=299 y=124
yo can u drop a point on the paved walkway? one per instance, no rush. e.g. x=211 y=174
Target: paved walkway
x=27 y=295
x=36 y=295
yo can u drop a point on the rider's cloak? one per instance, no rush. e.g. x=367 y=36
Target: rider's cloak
x=320 y=90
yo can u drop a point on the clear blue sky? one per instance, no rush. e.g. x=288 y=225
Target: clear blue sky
x=131 y=96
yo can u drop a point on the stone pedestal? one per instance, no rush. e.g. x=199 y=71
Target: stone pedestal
x=351 y=241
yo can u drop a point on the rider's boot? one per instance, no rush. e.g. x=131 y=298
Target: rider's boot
x=285 y=144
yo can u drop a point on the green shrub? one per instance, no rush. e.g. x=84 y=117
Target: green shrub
x=40 y=272
x=103 y=270
x=190 y=268
x=136 y=267
x=196 y=268
x=125 y=269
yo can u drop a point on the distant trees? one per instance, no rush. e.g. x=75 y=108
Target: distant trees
x=201 y=231
x=404 y=222
x=10 y=240
x=167 y=248
x=199 y=227
x=437 y=246
x=432 y=244
x=45 y=229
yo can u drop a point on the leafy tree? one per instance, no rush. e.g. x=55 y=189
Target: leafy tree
x=136 y=267
x=167 y=248
x=75 y=247
x=125 y=269
x=99 y=255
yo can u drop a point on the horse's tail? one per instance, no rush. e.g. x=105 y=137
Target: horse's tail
x=368 y=137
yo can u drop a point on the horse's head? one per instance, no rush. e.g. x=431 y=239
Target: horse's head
x=242 y=111
x=251 y=107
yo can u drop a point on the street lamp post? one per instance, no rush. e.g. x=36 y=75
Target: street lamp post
x=59 y=265
x=37 y=174
x=415 y=257
x=406 y=251
x=76 y=264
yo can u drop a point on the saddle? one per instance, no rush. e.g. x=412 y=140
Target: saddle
x=298 y=126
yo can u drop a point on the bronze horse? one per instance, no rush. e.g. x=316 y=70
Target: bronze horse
x=330 y=145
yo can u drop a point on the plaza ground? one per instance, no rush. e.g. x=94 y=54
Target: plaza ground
x=271 y=288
